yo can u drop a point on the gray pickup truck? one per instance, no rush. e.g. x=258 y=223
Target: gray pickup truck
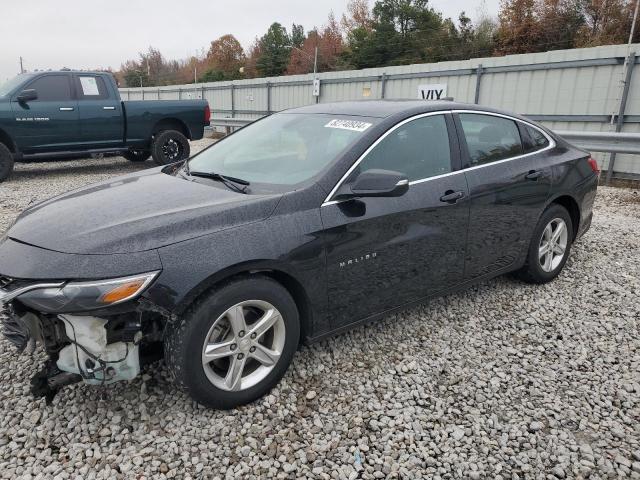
x=49 y=114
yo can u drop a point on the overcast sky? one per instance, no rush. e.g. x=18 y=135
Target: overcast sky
x=103 y=33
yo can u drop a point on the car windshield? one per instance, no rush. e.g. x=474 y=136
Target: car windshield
x=283 y=149
x=7 y=87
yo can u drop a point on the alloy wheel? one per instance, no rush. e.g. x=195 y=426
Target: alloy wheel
x=171 y=149
x=243 y=345
x=553 y=244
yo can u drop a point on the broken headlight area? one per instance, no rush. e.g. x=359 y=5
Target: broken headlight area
x=85 y=296
x=96 y=349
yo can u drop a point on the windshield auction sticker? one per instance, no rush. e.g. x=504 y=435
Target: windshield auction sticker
x=348 y=125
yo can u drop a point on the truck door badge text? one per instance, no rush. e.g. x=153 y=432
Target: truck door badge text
x=32 y=119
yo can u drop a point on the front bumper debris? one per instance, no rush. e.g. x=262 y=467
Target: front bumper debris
x=13 y=328
x=97 y=350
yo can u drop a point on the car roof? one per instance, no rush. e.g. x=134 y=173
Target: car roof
x=89 y=72
x=387 y=108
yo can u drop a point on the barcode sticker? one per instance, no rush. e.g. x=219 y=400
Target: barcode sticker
x=354 y=125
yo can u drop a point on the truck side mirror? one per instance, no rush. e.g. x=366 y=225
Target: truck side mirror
x=28 y=95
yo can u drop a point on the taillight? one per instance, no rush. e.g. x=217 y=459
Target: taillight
x=594 y=165
x=207 y=115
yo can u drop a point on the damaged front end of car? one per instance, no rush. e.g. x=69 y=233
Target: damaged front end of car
x=96 y=332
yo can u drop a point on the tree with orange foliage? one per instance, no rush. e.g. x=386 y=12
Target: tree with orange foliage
x=519 y=29
x=606 y=22
x=358 y=16
x=330 y=47
x=542 y=25
x=226 y=55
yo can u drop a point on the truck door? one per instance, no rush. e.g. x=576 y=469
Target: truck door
x=49 y=122
x=101 y=119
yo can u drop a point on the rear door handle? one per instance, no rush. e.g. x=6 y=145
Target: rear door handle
x=533 y=175
x=66 y=109
x=108 y=108
x=451 y=197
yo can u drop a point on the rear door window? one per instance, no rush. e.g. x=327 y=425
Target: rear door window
x=91 y=87
x=419 y=149
x=51 y=88
x=490 y=138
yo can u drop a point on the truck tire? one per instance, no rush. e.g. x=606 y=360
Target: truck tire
x=170 y=146
x=137 y=155
x=234 y=344
x=6 y=162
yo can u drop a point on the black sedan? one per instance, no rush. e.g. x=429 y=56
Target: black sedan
x=298 y=226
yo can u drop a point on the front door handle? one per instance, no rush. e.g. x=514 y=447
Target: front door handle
x=108 y=108
x=66 y=109
x=533 y=175
x=451 y=197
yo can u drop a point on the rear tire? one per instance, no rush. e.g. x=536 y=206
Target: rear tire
x=137 y=155
x=170 y=146
x=6 y=162
x=235 y=344
x=550 y=246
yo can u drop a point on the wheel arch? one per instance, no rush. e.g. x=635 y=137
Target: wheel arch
x=251 y=269
x=571 y=205
x=6 y=139
x=171 y=123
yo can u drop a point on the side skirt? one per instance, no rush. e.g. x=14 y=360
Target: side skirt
x=377 y=316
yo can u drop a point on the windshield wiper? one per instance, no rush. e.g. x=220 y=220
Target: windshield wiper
x=237 y=184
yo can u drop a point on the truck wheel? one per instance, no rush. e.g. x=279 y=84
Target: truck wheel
x=137 y=155
x=170 y=146
x=6 y=162
x=235 y=344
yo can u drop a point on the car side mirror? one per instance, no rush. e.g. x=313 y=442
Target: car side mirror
x=375 y=183
x=27 y=95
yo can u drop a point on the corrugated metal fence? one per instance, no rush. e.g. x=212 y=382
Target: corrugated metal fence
x=580 y=89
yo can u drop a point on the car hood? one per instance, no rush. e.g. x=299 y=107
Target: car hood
x=137 y=212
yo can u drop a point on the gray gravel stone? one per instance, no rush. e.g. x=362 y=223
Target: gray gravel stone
x=501 y=381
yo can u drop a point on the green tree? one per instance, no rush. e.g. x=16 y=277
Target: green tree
x=403 y=31
x=559 y=23
x=297 y=35
x=275 y=48
x=133 y=74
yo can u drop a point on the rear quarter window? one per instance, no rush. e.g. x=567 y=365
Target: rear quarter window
x=534 y=139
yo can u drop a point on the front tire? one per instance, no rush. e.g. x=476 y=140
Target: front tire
x=170 y=146
x=6 y=162
x=235 y=344
x=550 y=246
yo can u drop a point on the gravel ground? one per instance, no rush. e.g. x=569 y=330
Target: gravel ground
x=503 y=381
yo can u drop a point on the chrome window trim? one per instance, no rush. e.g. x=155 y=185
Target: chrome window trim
x=327 y=200
x=552 y=142
x=551 y=145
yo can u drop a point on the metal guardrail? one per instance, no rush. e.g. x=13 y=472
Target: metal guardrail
x=229 y=122
x=604 y=141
